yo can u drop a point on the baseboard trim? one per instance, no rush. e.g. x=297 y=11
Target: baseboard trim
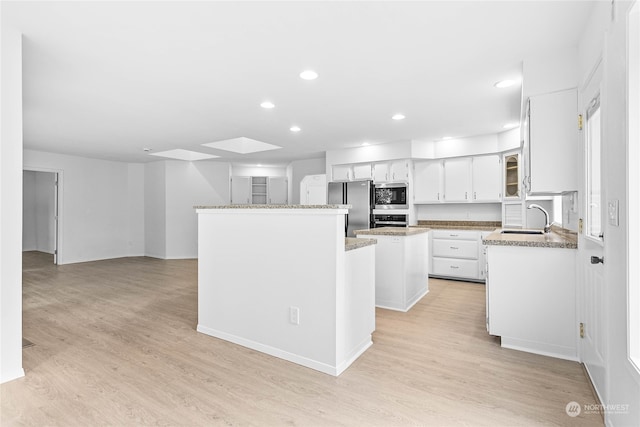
x=283 y=354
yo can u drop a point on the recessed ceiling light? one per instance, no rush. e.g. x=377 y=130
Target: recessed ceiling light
x=267 y=104
x=294 y=129
x=364 y=144
x=145 y=149
x=308 y=75
x=511 y=125
x=505 y=83
x=444 y=138
x=181 y=154
x=259 y=165
x=398 y=117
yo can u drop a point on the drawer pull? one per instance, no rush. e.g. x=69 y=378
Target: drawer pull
x=454 y=266
x=453 y=247
x=453 y=235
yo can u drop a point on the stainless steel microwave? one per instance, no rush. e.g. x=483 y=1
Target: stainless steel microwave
x=391 y=195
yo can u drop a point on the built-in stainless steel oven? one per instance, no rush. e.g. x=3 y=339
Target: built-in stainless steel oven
x=390 y=220
x=391 y=195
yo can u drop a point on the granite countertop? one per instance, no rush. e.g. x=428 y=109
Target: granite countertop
x=392 y=231
x=351 y=243
x=274 y=207
x=459 y=225
x=557 y=238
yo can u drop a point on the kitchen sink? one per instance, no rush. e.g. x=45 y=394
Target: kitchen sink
x=519 y=231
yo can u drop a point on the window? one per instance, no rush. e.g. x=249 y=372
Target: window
x=594 y=193
x=633 y=188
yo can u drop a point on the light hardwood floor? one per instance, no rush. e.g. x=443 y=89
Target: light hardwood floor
x=115 y=344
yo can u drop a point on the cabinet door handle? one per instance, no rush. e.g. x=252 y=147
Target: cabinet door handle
x=465 y=195
x=438 y=196
x=454 y=266
x=474 y=195
x=453 y=247
x=453 y=235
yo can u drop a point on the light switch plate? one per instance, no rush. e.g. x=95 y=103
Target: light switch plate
x=613 y=212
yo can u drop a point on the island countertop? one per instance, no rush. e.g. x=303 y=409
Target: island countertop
x=392 y=231
x=274 y=207
x=557 y=238
x=351 y=243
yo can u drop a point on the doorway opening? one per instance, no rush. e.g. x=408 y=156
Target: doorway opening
x=41 y=215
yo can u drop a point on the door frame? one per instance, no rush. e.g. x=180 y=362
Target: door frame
x=58 y=204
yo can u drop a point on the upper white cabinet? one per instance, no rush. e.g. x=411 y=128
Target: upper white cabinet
x=551 y=147
x=397 y=170
x=457 y=179
x=427 y=181
x=259 y=190
x=486 y=178
x=241 y=190
x=362 y=171
x=278 y=190
x=381 y=172
x=341 y=172
x=511 y=176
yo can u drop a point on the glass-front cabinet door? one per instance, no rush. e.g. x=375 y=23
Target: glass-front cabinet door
x=512 y=176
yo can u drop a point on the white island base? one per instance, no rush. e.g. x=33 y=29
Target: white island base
x=283 y=281
x=402 y=276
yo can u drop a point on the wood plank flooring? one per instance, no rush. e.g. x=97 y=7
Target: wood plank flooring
x=115 y=344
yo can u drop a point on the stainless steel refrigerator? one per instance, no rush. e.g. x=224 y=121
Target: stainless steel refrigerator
x=358 y=194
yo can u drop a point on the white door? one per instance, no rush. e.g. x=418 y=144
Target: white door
x=457 y=180
x=487 y=178
x=278 y=190
x=427 y=179
x=240 y=190
x=591 y=286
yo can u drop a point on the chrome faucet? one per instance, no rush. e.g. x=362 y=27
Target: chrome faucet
x=547 y=224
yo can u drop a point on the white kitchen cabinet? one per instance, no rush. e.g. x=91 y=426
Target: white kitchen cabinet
x=427 y=181
x=381 y=172
x=241 y=190
x=341 y=172
x=401 y=274
x=394 y=171
x=487 y=178
x=531 y=299
x=457 y=179
x=552 y=143
x=511 y=176
x=313 y=190
x=457 y=254
x=362 y=171
x=259 y=190
x=278 y=190
x=399 y=170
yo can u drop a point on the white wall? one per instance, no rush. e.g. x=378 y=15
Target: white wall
x=135 y=209
x=300 y=169
x=94 y=206
x=155 y=210
x=244 y=170
x=10 y=199
x=370 y=153
x=190 y=184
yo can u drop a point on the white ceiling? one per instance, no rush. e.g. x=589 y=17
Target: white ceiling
x=106 y=80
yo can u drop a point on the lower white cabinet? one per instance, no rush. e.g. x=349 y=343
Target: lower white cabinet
x=457 y=254
x=531 y=299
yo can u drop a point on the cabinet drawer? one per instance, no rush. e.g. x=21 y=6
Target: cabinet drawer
x=454 y=234
x=455 y=267
x=455 y=248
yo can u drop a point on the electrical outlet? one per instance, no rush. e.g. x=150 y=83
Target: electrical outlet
x=294 y=315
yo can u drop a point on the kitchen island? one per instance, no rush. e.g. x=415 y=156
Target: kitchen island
x=402 y=276
x=283 y=280
x=531 y=292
